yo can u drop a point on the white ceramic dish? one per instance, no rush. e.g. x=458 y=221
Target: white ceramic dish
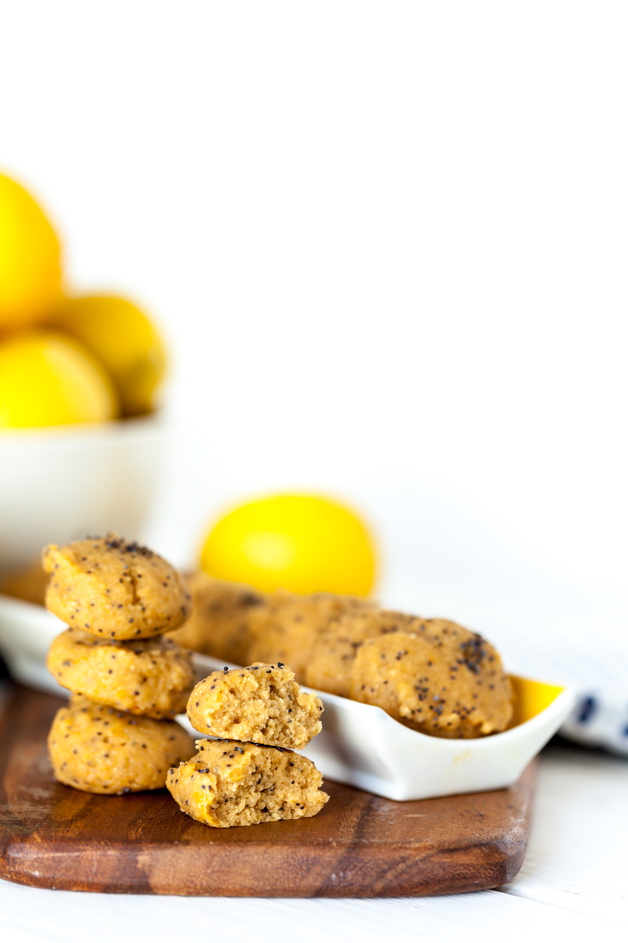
x=61 y=483
x=360 y=745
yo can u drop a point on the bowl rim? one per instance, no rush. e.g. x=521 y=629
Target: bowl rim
x=71 y=432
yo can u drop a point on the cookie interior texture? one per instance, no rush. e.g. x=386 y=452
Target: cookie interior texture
x=114 y=588
x=261 y=703
x=229 y=783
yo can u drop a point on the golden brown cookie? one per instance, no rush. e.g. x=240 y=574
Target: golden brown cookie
x=445 y=681
x=329 y=664
x=151 y=677
x=286 y=629
x=261 y=703
x=230 y=783
x=28 y=583
x=99 y=749
x=221 y=622
x=110 y=587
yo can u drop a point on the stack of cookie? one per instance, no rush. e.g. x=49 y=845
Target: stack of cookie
x=250 y=774
x=127 y=680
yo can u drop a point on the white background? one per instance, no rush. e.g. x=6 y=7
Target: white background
x=387 y=245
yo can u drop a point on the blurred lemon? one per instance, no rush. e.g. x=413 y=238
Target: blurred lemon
x=30 y=258
x=302 y=543
x=125 y=341
x=47 y=379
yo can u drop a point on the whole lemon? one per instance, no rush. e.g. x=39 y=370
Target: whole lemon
x=30 y=258
x=300 y=542
x=124 y=339
x=47 y=379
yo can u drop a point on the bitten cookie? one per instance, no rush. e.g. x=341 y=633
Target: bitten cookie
x=287 y=627
x=99 y=749
x=150 y=677
x=329 y=664
x=109 y=587
x=445 y=681
x=221 y=622
x=230 y=783
x=262 y=703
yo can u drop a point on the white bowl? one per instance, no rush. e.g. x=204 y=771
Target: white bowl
x=359 y=745
x=61 y=483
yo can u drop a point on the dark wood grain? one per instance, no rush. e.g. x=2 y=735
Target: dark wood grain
x=360 y=845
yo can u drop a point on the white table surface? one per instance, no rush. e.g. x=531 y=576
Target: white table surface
x=574 y=878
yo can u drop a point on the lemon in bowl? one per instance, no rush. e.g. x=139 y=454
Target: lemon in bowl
x=30 y=259
x=80 y=434
x=124 y=339
x=48 y=379
x=69 y=466
x=300 y=542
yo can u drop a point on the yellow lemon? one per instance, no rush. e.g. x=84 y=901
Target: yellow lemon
x=30 y=258
x=125 y=341
x=531 y=697
x=304 y=543
x=47 y=379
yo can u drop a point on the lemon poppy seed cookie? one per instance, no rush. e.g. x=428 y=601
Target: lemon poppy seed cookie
x=287 y=627
x=102 y=750
x=28 y=583
x=151 y=677
x=230 y=783
x=110 y=587
x=261 y=703
x=222 y=618
x=329 y=664
x=447 y=681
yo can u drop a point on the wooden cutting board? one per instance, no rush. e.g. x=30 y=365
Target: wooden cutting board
x=360 y=845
